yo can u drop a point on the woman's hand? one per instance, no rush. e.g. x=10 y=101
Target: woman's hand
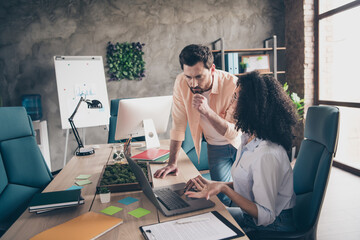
x=203 y=187
x=200 y=180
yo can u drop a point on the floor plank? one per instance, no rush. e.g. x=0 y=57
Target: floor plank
x=340 y=215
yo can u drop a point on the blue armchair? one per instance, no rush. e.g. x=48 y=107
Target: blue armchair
x=311 y=173
x=114 y=105
x=23 y=170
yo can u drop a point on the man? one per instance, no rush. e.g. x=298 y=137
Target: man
x=203 y=97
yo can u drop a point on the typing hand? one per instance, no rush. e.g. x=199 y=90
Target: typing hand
x=163 y=172
x=196 y=184
x=207 y=190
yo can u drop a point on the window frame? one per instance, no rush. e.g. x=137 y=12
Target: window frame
x=317 y=18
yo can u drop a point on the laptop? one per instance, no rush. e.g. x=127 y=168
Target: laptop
x=170 y=200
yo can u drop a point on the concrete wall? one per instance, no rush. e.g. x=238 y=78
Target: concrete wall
x=33 y=31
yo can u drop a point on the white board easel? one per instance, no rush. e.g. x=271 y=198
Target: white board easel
x=78 y=76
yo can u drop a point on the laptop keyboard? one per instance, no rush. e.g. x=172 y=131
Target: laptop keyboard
x=170 y=199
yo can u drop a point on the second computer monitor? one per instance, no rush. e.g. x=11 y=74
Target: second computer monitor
x=146 y=116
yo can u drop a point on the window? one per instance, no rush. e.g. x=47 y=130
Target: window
x=338 y=80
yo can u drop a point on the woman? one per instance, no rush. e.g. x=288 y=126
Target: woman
x=262 y=192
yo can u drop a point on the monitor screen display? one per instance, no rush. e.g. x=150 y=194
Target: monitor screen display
x=133 y=111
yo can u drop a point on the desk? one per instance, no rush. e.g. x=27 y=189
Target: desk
x=30 y=224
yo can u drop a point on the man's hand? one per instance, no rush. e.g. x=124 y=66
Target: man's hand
x=200 y=103
x=203 y=187
x=162 y=172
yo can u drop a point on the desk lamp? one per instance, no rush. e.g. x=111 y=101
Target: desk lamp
x=81 y=150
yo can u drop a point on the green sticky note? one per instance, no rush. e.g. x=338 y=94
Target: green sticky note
x=83 y=176
x=83 y=182
x=139 y=212
x=111 y=210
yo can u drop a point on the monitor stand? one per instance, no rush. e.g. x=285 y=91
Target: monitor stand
x=151 y=137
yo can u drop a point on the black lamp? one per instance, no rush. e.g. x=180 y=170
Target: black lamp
x=81 y=150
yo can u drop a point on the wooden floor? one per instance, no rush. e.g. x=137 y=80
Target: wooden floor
x=340 y=216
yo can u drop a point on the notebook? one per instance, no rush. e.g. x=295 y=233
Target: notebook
x=90 y=225
x=55 y=199
x=151 y=154
x=191 y=204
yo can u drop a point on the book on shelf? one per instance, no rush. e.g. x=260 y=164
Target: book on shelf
x=152 y=154
x=89 y=225
x=45 y=201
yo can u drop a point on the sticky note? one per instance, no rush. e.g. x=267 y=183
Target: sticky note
x=128 y=200
x=83 y=176
x=111 y=210
x=73 y=187
x=83 y=182
x=139 y=212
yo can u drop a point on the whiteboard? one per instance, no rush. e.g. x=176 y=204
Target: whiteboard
x=256 y=62
x=78 y=76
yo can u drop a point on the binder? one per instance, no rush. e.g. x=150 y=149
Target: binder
x=229 y=62
x=236 y=63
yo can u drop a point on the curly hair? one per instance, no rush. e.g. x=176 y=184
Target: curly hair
x=192 y=54
x=264 y=109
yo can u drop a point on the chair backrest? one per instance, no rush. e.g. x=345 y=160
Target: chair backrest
x=114 y=106
x=313 y=165
x=189 y=148
x=23 y=170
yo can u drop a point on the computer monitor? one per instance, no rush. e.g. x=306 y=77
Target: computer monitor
x=146 y=116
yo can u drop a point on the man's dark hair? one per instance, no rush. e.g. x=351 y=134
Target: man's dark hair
x=192 y=54
x=264 y=109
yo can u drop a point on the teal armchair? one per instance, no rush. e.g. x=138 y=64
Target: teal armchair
x=189 y=148
x=311 y=173
x=23 y=170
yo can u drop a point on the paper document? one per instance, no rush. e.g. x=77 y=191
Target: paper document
x=205 y=226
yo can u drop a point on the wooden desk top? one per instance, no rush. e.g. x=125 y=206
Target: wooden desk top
x=30 y=224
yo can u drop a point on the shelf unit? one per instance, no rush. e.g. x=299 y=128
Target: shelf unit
x=266 y=49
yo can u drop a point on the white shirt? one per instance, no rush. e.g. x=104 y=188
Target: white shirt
x=262 y=174
x=212 y=136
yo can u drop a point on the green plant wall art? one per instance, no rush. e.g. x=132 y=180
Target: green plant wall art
x=125 y=61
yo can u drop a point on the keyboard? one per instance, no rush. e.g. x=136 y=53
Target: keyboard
x=170 y=199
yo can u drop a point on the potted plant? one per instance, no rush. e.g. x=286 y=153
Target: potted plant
x=104 y=193
x=299 y=127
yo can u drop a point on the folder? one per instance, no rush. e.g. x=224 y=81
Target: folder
x=90 y=225
x=151 y=154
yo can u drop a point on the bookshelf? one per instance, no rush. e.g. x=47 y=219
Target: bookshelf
x=251 y=51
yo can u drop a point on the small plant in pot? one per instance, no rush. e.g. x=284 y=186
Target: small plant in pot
x=104 y=193
x=298 y=129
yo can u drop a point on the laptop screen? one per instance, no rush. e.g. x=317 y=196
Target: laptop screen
x=143 y=181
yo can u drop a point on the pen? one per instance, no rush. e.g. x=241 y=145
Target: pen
x=183 y=221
